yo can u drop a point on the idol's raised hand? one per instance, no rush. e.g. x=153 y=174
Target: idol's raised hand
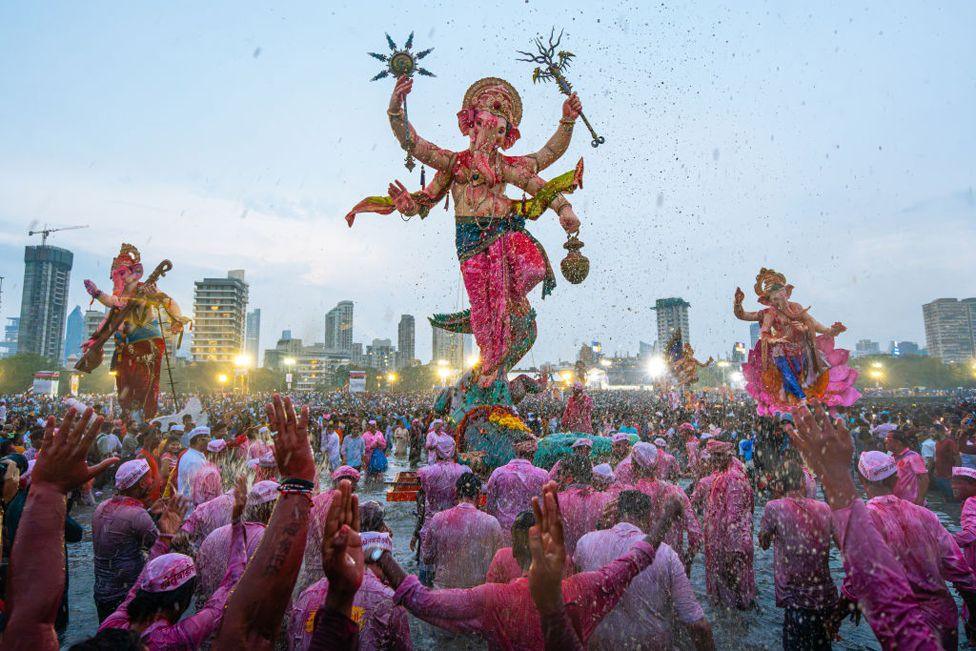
x=572 y=107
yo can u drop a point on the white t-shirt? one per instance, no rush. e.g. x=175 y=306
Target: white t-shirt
x=928 y=448
x=656 y=597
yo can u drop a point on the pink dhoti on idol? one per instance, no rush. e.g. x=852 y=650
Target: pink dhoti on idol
x=795 y=359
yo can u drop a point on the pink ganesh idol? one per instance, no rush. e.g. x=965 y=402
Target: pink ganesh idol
x=794 y=359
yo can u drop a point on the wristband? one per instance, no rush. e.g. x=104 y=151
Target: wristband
x=295 y=482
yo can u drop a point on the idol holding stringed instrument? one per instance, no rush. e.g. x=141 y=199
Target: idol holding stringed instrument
x=134 y=321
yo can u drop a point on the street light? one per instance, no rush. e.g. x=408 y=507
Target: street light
x=657 y=367
x=472 y=360
x=391 y=377
x=222 y=378
x=606 y=363
x=289 y=361
x=736 y=377
x=443 y=373
x=722 y=363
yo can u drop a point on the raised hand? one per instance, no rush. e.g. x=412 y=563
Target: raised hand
x=342 y=548
x=62 y=462
x=837 y=328
x=402 y=199
x=400 y=91
x=572 y=107
x=827 y=448
x=739 y=296
x=240 y=498
x=548 y=552
x=92 y=289
x=173 y=515
x=292 y=451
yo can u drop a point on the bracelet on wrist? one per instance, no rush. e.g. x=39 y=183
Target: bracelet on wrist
x=567 y=121
x=296 y=482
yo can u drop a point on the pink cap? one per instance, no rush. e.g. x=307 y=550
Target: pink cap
x=644 y=455
x=963 y=471
x=582 y=442
x=217 y=445
x=267 y=460
x=345 y=472
x=167 y=572
x=714 y=446
x=686 y=427
x=444 y=448
x=661 y=443
x=620 y=436
x=263 y=492
x=130 y=472
x=375 y=539
x=604 y=473
x=876 y=466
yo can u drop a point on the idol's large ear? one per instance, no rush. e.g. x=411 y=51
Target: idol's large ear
x=465 y=120
x=511 y=136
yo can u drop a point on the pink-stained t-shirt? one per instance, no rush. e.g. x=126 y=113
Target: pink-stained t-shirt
x=928 y=556
x=504 y=614
x=624 y=472
x=658 y=595
x=510 y=491
x=910 y=466
x=729 y=574
x=505 y=568
x=800 y=531
x=205 y=484
x=430 y=444
x=214 y=552
x=383 y=626
x=876 y=576
x=373 y=441
x=809 y=484
x=693 y=456
x=667 y=466
x=699 y=496
x=581 y=507
x=439 y=483
x=190 y=632
x=460 y=543
x=966 y=538
x=207 y=517
x=311 y=570
x=685 y=535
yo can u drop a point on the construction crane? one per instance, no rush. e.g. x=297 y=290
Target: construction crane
x=44 y=232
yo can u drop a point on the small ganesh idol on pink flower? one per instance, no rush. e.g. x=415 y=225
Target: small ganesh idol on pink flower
x=794 y=359
x=500 y=261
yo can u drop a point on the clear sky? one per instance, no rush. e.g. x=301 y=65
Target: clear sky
x=833 y=141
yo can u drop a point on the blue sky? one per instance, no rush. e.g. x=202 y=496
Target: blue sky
x=833 y=142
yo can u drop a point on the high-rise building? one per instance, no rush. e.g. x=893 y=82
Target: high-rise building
x=8 y=346
x=866 y=347
x=904 y=349
x=44 y=303
x=310 y=367
x=93 y=318
x=448 y=346
x=381 y=355
x=672 y=314
x=338 y=327
x=950 y=328
x=754 y=329
x=74 y=334
x=252 y=335
x=219 y=309
x=406 y=340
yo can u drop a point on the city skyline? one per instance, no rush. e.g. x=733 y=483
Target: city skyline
x=716 y=161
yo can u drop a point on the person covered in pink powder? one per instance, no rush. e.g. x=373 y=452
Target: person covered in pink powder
x=512 y=562
x=799 y=530
x=461 y=541
x=155 y=605
x=657 y=598
x=211 y=559
x=729 y=576
x=667 y=465
x=511 y=487
x=505 y=614
x=913 y=475
x=435 y=435
x=692 y=451
x=578 y=414
x=374 y=440
x=927 y=553
x=646 y=457
x=208 y=516
x=964 y=489
x=581 y=447
x=438 y=492
x=311 y=570
x=580 y=503
x=382 y=625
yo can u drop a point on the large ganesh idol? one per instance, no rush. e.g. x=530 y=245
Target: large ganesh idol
x=794 y=360
x=501 y=262
x=139 y=343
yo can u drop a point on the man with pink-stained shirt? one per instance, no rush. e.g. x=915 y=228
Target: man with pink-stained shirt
x=461 y=541
x=659 y=596
x=580 y=503
x=799 y=529
x=511 y=487
x=928 y=554
x=913 y=475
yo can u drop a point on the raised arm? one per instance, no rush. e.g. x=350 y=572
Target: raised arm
x=820 y=328
x=254 y=611
x=740 y=313
x=559 y=142
x=425 y=152
x=108 y=300
x=520 y=174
